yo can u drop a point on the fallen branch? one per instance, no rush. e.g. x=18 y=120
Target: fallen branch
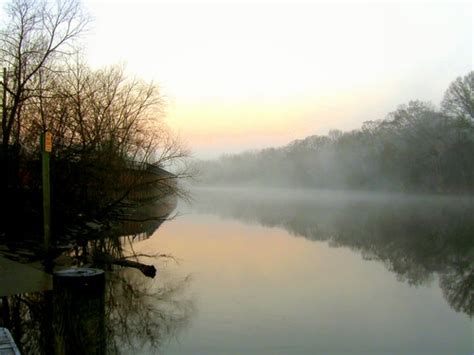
x=147 y=270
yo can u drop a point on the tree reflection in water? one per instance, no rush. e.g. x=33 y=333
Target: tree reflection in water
x=139 y=311
x=417 y=238
x=142 y=314
x=457 y=284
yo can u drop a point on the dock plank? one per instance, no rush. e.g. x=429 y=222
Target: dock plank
x=7 y=344
x=17 y=278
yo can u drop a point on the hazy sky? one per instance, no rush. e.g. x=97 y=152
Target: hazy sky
x=241 y=75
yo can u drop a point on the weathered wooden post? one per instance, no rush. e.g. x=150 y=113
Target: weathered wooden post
x=78 y=311
x=46 y=148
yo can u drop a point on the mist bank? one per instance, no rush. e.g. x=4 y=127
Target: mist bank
x=418 y=147
x=420 y=239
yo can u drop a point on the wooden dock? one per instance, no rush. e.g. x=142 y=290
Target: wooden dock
x=7 y=345
x=17 y=278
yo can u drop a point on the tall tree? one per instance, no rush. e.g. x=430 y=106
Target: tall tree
x=37 y=34
x=459 y=98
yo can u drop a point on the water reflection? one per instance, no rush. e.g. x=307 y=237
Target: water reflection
x=139 y=311
x=419 y=239
x=137 y=314
x=141 y=314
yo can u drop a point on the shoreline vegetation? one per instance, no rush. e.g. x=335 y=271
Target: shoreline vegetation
x=415 y=149
x=110 y=144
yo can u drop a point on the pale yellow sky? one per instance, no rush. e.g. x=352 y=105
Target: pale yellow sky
x=246 y=75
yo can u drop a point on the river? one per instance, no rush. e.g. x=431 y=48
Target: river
x=311 y=272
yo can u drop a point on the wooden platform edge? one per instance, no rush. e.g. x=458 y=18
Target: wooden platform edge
x=7 y=344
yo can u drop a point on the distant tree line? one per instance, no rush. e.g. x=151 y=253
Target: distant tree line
x=415 y=148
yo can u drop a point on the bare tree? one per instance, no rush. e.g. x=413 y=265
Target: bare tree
x=109 y=134
x=459 y=98
x=36 y=35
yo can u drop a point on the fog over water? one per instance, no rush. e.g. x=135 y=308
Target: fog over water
x=416 y=237
x=280 y=271
x=339 y=219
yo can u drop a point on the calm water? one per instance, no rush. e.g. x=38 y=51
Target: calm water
x=298 y=272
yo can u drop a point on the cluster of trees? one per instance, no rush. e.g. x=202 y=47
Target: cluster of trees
x=415 y=148
x=100 y=120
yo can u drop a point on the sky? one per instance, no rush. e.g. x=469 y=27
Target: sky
x=252 y=74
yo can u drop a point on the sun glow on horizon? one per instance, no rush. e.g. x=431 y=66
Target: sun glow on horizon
x=246 y=71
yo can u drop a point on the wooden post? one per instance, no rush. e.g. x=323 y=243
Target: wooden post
x=78 y=311
x=46 y=147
